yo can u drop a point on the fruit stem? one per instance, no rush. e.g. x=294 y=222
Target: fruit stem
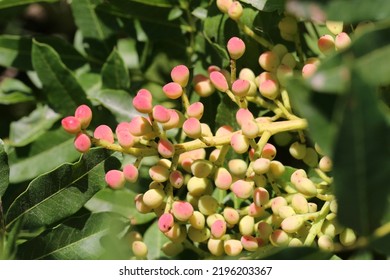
x=184 y=99
x=233 y=71
x=317 y=224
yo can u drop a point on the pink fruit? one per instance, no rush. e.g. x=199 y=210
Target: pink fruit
x=161 y=114
x=115 y=179
x=195 y=110
x=104 y=132
x=142 y=102
x=218 y=228
x=239 y=143
x=326 y=44
x=71 y=124
x=203 y=86
x=269 y=61
x=165 y=148
x=235 y=10
x=243 y=115
x=165 y=222
x=125 y=138
x=82 y=143
x=84 y=114
x=192 y=128
x=269 y=151
x=219 y=81
x=176 y=179
x=173 y=90
x=180 y=74
x=236 y=47
x=130 y=173
x=140 y=126
x=240 y=87
x=242 y=189
x=182 y=210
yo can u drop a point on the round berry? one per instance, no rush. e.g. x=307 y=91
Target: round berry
x=140 y=204
x=201 y=168
x=115 y=179
x=326 y=44
x=347 y=237
x=139 y=249
x=269 y=151
x=297 y=150
x=71 y=124
x=269 y=61
x=269 y=89
x=203 y=85
x=249 y=243
x=264 y=230
x=261 y=165
x=276 y=203
x=224 y=5
x=325 y=164
x=104 y=132
x=215 y=247
x=176 y=119
x=235 y=47
x=260 y=196
x=235 y=10
x=219 y=81
x=299 y=204
x=165 y=148
x=165 y=222
x=237 y=167
x=198 y=235
x=325 y=242
x=197 y=186
x=288 y=25
x=153 y=198
x=124 y=136
x=342 y=41
x=218 y=228
x=239 y=143
x=231 y=215
x=180 y=74
x=142 y=102
x=197 y=220
x=161 y=114
x=207 y=205
x=195 y=110
x=222 y=178
x=176 y=179
x=173 y=90
x=140 y=126
x=131 y=173
x=84 y=114
x=182 y=210
x=242 y=189
x=279 y=238
x=159 y=173
x=192 y=128
x=336 y=27
x=82 y=143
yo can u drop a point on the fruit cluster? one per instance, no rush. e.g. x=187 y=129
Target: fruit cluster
x=204 y=200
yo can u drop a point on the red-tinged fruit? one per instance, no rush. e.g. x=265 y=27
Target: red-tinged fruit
x=165 y=148
x=240 y=87
x=130 y=172
x=219 y=81
x=165 y=222
x=195 y=110
x=82 y=143
x=104 y=132
x=182 y=210
x=180 y=74
x=115 y=179
x=192 y=128
x=235 y=47
x=71 y=124
x=84 y=114
x=142 y=102
x=173 y=90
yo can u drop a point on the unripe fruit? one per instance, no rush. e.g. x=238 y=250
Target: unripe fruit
x=295 y=242
x=198 y=235
x=249 y=243
x=203 y=86
x=239 y=143
x=276 y=168
x=325 y=164
x=165 y=148
x=283 y=73
x=325 y=242
x=283 y=138
x=242 y=189
x=82 y=143
x=140 y=204
x=176 y=233
x=161 y=114
x=125 y=138
x=288 y=25
x=308 y=70
x=212 y=218
x=215 y=247
x=140 y=126
x=276 y=203
x=342 y=41
x=260 y=196
x=260 y=180
x=231 y=215
x=247 y=74
x=347 y=237
x=71 y=124
x=279 y=238
x=250 y=129
x=222 y=178
x=115 y=179
x=235 y=47
x=172 y=249
x=197 y=186
x=153 y=197
x=264 y=230
x=297 y=150
x=269 y=61
x=269 y=151
x=164 y=162
x=175 y=120
x=192 y=128
x=280 y=50
x=289 y=60
x=269 y=89
x=219 y=81
x=139 y=249
x=326 y=44
x=84 y=114
x=261 y=165
x=159 y=173
x=218 y=229
x=299 y=204
x=335 y=27
x=255 y=211
x=292 y=224
x=180 y=74
x=195 y=110
x=142 y=102
x=182 y=210
x=133 y=236
x=201 y=168
x=265 y=76
x=328 y=228
x=311 y=157
x=243 y=115
x=176 y=179
x=246 y=225
x=197 y=220
x=306 y=187
x=165 y=222
x=232 y=247
x=312 y=207
x=173 y=90
x=286 y=211
x=104 y=132
x=240 y=87
x=297 y=174
x=333 y=206
x=207 y=205
x=235 y=10
x=223 y=5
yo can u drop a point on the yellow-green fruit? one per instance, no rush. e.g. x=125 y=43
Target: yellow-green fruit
x=335 y=27
x=231 y=215
x=197 y=186
x=212 y=218
x=325 y=242
x=232 y=247
x=286 y=211
x=172 y=249
x=246 y=225
x=299 y=204
x=153 y=197
x=197 y=220
x=347 y=237
x=215 y=247
x=139 y=249
x=295 y=242
x=207 y=205
x=279 y=238
x=292 y=224
x=201 y=168
x=198 y=235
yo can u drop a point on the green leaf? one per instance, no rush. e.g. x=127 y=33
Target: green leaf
x=47 y=152
x=267 y=5
x=114 y=72
x=299 y=253
x=4 y=170
x=29 y=128
x=157 y=3
x=63 y=91
x=78 y=238
x=120 y=202
x=13 y=3
x=361 y=160
x=226 y=113
x=127 y=49
x=14 y=91
x=62 y=192
x=118 y=102
x=154 y=238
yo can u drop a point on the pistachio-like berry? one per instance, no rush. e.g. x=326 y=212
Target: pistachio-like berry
x=264 y=230
x=347 y=237
x=180 y=74
x=325 y=243
x=159 y=173
x=232 y=247
x=280 y=50
x=292 y=224
x=201 y=168
x=218 y=229
x=215 y=247
x=299 y=204
x=235 y=47
x=342 y=41
x=182 y=210
x=247 y=74
x=222 y=178
x=104 y=132
x=192 y=128
x=311 y=157
x=172 y=249
x=286 y=211
x=246 y=225
x=140 y=126
x=115 y=179
x=82 y=143
x=207 y=205
x=224 y=5
x=219 y=81
x=269 y=151
x=283 y=138
x=84 y=114
x=283 y=73
x=297 y=174
x=249 y=243
x=161 y=114
x=333 y=206
x=269 y=89
x=336 y=27
x=278 y=202
x=231 y=215
x=260 y=196
x=276 y=168
x=197 y=220
x=173 y=90
x=195 y=110
x=265 y=76
x=297 y=150
x=71 y=124
x=124 y=136
x=235 y=10
x=142 y=102
x=176 y=179
x=289 y=60
x=203 y=85
x=279 y=238
x=140 y=204
x=240 y=87
x=325 y=164
x=295 y=242
x=239 y=143
x=165 y=148
x=313 y=207
x=198 y=235
x=153 y=197
x=269 y=61
x=326 y=44
x=261 y=165
x=197 y=186
x=288 y=27
x=255 y=211
x=243 y=115
x=212 y=218
x=139 y=249
x=176 y=233
x=165 y=222
x=242 y=188
x=306 y=187
x=250 y=129
x=176 y=120
x=308 y=70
